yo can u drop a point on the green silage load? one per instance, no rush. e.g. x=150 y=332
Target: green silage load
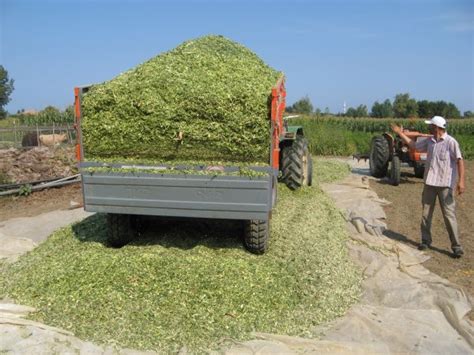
x=206 y=100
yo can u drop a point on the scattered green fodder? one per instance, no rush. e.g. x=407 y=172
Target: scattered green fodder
x=327 y=170
x=347 y=136
x=191 y=283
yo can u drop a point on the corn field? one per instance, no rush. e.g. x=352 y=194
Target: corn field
x=347 y=136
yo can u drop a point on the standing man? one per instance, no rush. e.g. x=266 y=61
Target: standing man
x=444 y=172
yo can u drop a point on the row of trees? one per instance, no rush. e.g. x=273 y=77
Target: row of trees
x=403 y=106
x=6 y=88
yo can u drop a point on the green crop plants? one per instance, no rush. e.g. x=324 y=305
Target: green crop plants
x=347 y=136
x=207 y=99
x=191 y=283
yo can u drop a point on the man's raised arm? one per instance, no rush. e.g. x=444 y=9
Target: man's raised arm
x=398 y=130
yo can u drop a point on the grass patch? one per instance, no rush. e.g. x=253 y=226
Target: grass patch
x=191 y=282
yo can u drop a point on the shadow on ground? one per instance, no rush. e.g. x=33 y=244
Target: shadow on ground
x=183 y=233
x=402 y=238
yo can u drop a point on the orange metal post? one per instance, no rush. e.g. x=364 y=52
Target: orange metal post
x=277 y=110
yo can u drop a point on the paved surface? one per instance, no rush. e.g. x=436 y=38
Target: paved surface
x=20 y=235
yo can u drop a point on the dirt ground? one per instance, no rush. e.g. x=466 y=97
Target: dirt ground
x=40 y=202
x=404 y=217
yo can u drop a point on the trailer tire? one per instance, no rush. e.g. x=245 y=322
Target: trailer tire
x=120 y=230
x=256 y=234
x=379 y=156
x=296 y=163
x=419 y=170
x=395 y=171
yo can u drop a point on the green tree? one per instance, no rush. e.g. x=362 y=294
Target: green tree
x=6 y=88
x=451 y=111
x=360 y=111
x=426 y=109
x=468 y=114
x=303 y=105
x=382 y=110
x=404 y=106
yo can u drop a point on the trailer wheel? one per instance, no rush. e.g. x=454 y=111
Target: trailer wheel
x=120 y=230
x=419 y=170
x=296 y=164
x=395 y=171
x=256 y=234
x=379 y=156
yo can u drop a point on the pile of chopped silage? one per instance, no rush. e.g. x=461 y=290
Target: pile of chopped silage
x=207 y=99
x=191 y=283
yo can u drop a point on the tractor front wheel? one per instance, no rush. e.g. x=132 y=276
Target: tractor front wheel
x=297 y=165
x=395 y=171
x=379 y=156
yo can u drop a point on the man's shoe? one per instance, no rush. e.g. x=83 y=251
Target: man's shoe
x=423 y=246
x=457 y=253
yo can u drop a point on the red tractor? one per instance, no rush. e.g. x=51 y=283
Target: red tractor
x=387 y=148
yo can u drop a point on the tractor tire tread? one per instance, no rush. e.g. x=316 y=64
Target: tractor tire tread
x=379 y=157
x=292 y=163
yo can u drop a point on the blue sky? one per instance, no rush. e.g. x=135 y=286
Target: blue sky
x=333 y=51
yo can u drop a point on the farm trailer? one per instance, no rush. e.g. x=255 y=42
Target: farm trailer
x=150 y=191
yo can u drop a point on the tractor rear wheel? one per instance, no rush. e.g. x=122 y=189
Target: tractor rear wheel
x=120 y=229
x=296 y=164
x=379 y=156
x=419 y=170
x=256 y=235
x=395 y=171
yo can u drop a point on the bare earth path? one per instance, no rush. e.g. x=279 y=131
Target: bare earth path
x=404 y=216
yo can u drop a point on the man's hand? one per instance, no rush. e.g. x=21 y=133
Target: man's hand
x=396 y=128
x=460 y=188
x=399 y=130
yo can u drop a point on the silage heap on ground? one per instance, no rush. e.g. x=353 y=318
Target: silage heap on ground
x=214 y=91
x=191 y=283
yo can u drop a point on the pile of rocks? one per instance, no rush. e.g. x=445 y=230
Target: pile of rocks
x=39 y=163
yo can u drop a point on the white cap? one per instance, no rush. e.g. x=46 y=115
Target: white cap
x=437 y=121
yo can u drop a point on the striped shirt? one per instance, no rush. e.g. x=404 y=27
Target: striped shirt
x=441 y=167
